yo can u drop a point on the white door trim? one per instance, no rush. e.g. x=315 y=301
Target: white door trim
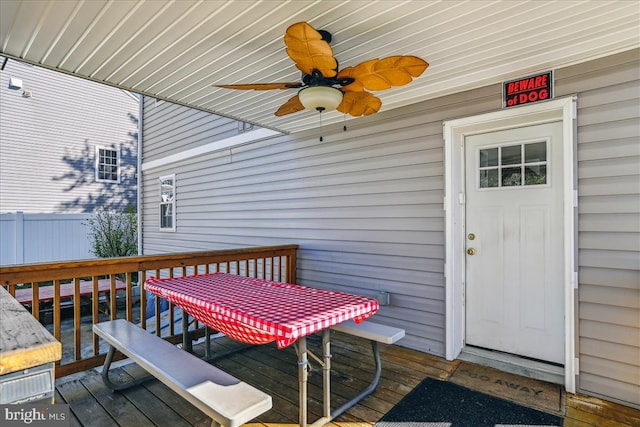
x=455 y=131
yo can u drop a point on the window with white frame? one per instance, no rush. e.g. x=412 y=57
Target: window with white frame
x=513 y=165
x=168 y=203
x=107 y=165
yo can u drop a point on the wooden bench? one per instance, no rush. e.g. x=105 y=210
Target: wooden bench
x=227 y=400
x=375 y=333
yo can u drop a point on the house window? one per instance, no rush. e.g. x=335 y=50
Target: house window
x=107 y=165
x=513 y=165
x=168 y=203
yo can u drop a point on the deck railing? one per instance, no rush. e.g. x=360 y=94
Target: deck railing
x=95 y=290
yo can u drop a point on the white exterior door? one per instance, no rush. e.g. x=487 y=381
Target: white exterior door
x=514 y=233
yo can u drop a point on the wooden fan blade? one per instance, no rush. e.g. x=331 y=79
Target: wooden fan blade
x=380 y=74
x=306 y=48
x=262 y=86
x=293 y=105
x=359 y=104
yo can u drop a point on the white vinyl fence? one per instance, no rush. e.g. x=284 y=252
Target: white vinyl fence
x=27 y=238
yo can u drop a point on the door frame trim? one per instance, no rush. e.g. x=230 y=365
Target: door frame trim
x=455 y=131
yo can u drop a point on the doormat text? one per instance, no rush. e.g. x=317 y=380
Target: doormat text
x=502 y=382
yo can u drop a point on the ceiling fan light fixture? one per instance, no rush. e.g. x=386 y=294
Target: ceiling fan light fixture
x=321 y=80
x=320 y=98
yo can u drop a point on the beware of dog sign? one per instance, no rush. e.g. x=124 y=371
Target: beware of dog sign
x=526 y=90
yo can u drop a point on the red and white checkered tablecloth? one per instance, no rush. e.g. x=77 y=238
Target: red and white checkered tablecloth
x=258 y=311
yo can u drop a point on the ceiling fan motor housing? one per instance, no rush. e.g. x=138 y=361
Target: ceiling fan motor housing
x=326 y=35
x=317 y=79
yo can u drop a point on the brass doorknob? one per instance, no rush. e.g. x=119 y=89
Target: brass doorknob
x=471 y=251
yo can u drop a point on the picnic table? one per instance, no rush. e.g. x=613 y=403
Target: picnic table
x=45 y=293
x=258 y=311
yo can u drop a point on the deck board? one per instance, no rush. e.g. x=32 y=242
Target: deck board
x=116 y=404
x=154 y=408
x=73 y=421
x=274 y=371
x=191 y=414
x=84 y=406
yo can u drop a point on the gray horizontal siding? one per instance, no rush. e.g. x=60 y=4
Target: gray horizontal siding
x=608 y=222
x=47 y=142
x=169 y=128
x=366 y=208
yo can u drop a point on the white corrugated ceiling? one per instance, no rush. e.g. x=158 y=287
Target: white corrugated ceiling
x=176 y=50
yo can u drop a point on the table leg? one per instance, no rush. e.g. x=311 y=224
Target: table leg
x=207 y=347
x=326 y=380
x=326 y=372
x=303 y=373
x=186 y=341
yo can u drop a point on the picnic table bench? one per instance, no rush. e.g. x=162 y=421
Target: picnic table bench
x=228 y=401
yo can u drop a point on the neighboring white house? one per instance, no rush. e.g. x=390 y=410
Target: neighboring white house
x=68 y=146
x=406 y=202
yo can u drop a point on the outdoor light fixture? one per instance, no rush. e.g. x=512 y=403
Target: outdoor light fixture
x=15 y=84
x=319 y=89
x=320 y=98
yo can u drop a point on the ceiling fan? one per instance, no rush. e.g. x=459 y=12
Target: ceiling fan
x=324 y=87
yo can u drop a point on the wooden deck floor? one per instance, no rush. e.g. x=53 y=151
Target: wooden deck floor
x=274 y=371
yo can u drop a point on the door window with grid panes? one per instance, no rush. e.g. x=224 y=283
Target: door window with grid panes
x=513 y=165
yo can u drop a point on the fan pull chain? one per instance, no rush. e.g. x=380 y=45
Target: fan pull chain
x=320 y=112
x=344 y=122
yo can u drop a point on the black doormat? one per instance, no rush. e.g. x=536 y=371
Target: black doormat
x=436 y=403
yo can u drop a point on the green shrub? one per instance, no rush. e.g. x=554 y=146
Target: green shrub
x=114 y=233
